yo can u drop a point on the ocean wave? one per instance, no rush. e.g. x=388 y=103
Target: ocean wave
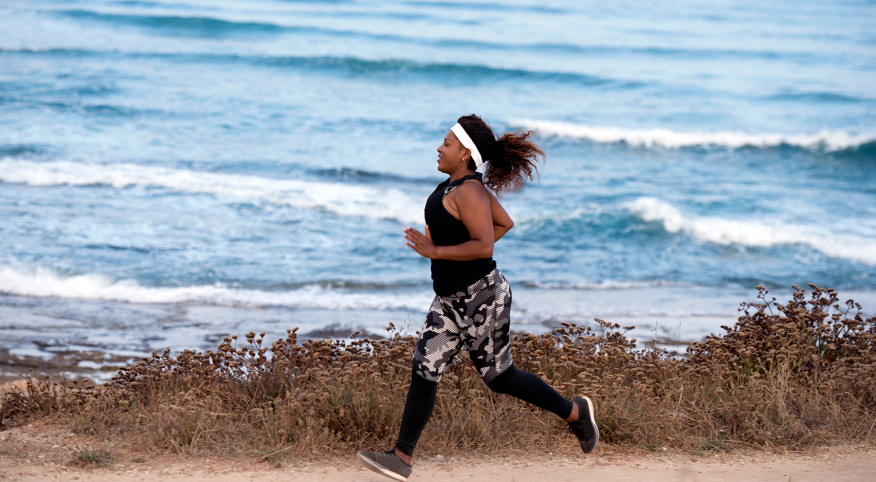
x=827 y=140
x=466 y=72
x=339 y=198
x=43 y=50
x=355 y=66
x=501 y=7
x=13 y=150
x=864 y=152
x=198 y=25
x=45 y=282
x=752 y=233
x=363 y=176
x=819 y=97
x=213 y=26
x=42 y=282
x=599 y=286
x=178 y=24
x=218 y=27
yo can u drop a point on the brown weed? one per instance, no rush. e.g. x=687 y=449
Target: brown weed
x=794 y=376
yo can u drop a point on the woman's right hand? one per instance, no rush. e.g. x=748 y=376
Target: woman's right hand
x=421 y=243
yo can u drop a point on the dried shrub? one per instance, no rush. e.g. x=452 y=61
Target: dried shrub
x=86 y=455
x=795 y=376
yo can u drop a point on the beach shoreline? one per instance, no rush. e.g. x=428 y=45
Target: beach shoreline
x=99 y=363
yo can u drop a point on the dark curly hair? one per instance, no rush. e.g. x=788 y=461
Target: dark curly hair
x=512 y=158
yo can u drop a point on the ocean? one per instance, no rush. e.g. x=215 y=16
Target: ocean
x=176 y=171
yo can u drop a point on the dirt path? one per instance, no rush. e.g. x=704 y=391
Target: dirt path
x=851 y=467
x=41 y=451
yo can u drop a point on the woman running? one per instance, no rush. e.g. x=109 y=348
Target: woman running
x=472 y=303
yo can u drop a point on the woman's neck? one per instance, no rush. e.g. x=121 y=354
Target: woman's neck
x=461 y=173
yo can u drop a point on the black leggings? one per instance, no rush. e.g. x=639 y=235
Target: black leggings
x=514 y=382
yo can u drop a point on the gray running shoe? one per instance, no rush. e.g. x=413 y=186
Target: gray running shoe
x=386 y=463
x=585 y=427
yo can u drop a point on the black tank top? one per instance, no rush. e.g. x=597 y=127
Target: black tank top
x=450 y=277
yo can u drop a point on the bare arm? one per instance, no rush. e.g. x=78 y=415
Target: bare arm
x=473 y=205
x=502 y=222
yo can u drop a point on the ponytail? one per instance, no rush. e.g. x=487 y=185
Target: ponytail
x=512 y=158
x=516 y=159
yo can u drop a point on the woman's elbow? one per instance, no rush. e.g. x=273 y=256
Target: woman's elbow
x=487 y=250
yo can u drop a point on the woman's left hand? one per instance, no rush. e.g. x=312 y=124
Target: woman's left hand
x=421 y=243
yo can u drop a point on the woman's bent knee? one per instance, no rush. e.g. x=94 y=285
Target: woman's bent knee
x=503 y=381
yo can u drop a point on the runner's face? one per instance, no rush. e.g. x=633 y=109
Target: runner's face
x=451 y=154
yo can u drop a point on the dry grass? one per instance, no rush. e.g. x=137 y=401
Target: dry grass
x=790 y=376
x=87 y=455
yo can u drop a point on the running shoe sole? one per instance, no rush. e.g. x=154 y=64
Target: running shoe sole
x=374 y=466
x=588 y=445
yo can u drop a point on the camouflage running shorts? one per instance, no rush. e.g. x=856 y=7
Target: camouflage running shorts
x=478 y=319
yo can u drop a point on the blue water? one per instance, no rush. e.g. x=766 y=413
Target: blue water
x=173 y=171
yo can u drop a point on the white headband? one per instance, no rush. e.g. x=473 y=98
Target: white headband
x=468 y=144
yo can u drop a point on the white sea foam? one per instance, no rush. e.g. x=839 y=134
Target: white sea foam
x=600 y=285
x=342 y=199
x=27 y=49
x=828 y=140
x=753 y=233
x=44 y=282
x=549 y=301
